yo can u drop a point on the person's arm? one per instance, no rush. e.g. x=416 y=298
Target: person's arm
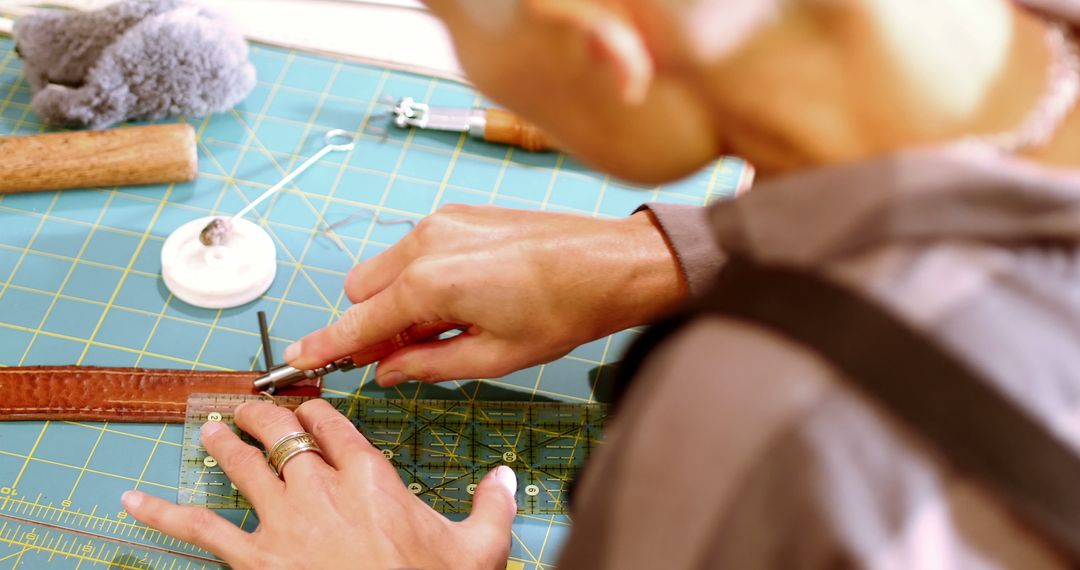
x=524 y=288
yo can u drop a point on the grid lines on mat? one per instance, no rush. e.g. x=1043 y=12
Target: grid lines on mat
x=80 y=284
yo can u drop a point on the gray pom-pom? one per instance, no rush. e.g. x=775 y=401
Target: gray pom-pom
x=135 y=59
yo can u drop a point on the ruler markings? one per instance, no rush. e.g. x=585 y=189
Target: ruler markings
x=53 y=539
x=441 y=448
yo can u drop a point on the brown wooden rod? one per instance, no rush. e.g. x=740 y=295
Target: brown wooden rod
x=507 y=128
x=153 y=154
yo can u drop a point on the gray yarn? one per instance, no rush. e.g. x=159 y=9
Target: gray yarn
x=135 y=59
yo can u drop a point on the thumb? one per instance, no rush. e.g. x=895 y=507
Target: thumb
x=494 y=505
x=362 y=325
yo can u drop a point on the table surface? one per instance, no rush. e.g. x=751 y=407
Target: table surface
x=80 y=284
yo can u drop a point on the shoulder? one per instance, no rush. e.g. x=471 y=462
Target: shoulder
x=1008 y=310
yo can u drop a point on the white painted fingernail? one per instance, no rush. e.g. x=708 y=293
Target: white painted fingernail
x=131 y=500
x=507 y=478
x=210 y=428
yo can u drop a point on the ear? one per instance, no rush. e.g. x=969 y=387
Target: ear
x=612 y=36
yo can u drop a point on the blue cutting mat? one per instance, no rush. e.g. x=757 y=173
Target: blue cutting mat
x=79 y=283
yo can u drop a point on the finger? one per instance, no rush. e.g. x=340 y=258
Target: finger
x=245 y=465
x=614 y=38
x=430 y=233
x=494 y=505
x=269 y=423
x=463 y=356
x=360 y=326
x=337 y=436
x=417 y=333
x=197 y=525
x=377 y=273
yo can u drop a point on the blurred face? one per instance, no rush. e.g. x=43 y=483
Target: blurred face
x=758 y=78
x=650 y=90
x=560 y=65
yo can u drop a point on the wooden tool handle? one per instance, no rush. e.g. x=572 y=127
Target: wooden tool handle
x=416 y=333
x=86 y=159
x=504 y=127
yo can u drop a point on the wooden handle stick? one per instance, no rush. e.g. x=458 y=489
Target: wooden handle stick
x=84 y=159
x=507 y=128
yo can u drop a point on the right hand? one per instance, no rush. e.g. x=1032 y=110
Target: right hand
x=524 y=287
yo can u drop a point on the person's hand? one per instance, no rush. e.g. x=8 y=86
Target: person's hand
x=524 y=287
x=345 y=509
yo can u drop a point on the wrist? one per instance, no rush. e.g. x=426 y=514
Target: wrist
x=653 y=281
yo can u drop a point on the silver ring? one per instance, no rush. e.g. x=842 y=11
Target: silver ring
x=290 y=445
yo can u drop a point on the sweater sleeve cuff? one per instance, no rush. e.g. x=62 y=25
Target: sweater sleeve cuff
x=688 y=231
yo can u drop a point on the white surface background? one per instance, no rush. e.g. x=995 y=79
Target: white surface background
x=399 y=34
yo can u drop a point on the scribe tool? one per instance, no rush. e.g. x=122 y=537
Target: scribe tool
x=284 y=375
x=219 y=262
x=217 y=230
x=492 y=125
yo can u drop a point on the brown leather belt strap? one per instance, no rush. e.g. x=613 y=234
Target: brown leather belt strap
x=91 y=393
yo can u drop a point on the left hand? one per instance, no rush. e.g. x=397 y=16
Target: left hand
x=346 y=509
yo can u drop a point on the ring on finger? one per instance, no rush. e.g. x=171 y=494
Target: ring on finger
x=290 y=445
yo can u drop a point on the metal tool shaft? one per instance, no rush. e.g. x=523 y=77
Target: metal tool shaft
x=492 y=125
x=409 y=113
x=285 y=375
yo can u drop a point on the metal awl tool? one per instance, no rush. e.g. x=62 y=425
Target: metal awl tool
x=284 y=375
x=492 y=125
x=281 y=375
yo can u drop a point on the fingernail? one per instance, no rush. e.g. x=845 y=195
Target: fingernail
x=391 y=378
x=210 y=428
x=292 y=352
x=507 y=478
x=131 y=500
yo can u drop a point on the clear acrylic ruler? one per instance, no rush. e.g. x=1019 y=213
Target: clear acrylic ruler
x=37 y=533
x=441 y=448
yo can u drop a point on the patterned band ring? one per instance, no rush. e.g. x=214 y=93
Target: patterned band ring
x=289 y=446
